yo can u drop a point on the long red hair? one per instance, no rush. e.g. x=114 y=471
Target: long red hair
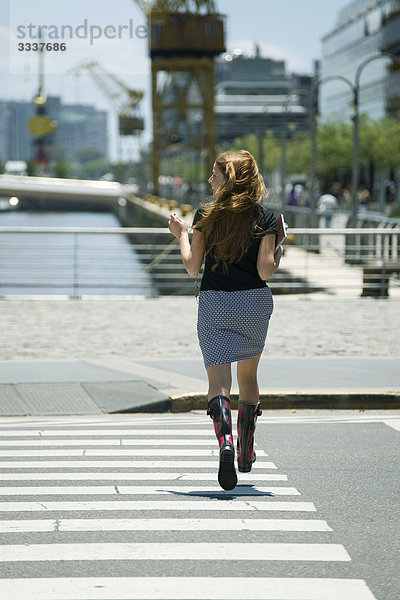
x=229 y=221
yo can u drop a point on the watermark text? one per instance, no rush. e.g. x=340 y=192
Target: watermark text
x=83 y=31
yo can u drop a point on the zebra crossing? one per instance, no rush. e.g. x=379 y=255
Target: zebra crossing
x=113 y=508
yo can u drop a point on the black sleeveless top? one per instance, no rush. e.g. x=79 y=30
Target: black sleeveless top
x=241 y=275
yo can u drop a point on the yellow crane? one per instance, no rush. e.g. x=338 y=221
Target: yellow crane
x=184 y=38
x=124 y=100
x=41 y=125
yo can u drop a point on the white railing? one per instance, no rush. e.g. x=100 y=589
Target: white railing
x=78 y=262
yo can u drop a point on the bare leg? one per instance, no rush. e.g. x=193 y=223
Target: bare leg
x=219 y=380
x=247 y=380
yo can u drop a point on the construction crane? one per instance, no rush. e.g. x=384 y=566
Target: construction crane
x=185 y=36
x=124 y=100
x=41 y=125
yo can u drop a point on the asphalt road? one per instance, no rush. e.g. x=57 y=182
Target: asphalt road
x=128 y=507
x=351 y=472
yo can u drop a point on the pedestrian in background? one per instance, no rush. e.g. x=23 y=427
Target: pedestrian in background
x=327 y=205
x=237 y=237
x=363 y=197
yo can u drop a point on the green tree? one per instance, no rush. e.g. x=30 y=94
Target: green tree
x=94 y=169
x=386 y=144
x=272 y=153
x=378 y=147
x=334 y=152
x=298 y=154
x=63 y=169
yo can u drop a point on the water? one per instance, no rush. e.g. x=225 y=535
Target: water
x=68 y=264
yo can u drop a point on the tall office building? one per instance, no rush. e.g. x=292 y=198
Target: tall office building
x=364 y=28
x=79 y=126
x=256 y=95
x=3 y=131
x=15 y=139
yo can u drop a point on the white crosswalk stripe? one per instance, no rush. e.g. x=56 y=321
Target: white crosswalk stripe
x=24 y=526
x=185 y=588
x=156 y=505
x=98 y=469
x=124 y=442
x=173 y=551
x=120 y=452
x=394 y=423
x=77 y=433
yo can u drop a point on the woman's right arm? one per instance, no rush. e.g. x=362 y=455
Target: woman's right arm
x=267 y=260
x=192 y=253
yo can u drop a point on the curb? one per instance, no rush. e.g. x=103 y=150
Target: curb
x=300 y=400
x=61 y=399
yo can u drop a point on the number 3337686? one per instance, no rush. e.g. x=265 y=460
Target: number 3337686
x=41 y=47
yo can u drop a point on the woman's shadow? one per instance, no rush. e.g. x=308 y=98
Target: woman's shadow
x=237 y=492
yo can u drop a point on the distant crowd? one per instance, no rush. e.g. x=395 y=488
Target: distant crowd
x=297 y=195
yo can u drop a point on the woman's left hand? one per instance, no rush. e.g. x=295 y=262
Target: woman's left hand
x=176 y=225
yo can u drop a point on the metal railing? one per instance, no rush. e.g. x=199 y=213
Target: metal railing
x=79 y=262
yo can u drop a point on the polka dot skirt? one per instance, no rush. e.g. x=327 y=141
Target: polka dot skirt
x=233 y=326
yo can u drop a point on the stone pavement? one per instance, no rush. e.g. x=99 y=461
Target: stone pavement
x=133 y=354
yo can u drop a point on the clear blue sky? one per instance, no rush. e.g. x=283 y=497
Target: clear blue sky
x=286 y=29
x=292 y=29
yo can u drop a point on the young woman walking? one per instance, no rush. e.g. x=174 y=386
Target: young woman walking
x=237 y=236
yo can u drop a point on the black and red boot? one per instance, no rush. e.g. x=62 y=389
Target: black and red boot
x=246 y=425
x=219 y=409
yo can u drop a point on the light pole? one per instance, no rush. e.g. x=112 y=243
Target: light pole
x=355 y=175
x=313 y=159
x=314 y=133
x=283 y=160
x=313 y=95
x=266 y=109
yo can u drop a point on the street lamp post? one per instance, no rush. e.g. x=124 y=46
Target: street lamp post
x=355 y=175
x=313 y=159
x=283 y=164
x=283 y=152
x=314 y=131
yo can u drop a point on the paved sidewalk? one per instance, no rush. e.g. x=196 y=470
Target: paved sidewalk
x=121 y=385
x=124 y=355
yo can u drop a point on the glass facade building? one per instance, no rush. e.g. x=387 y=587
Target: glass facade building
x=364 y=29
x=256 y=95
